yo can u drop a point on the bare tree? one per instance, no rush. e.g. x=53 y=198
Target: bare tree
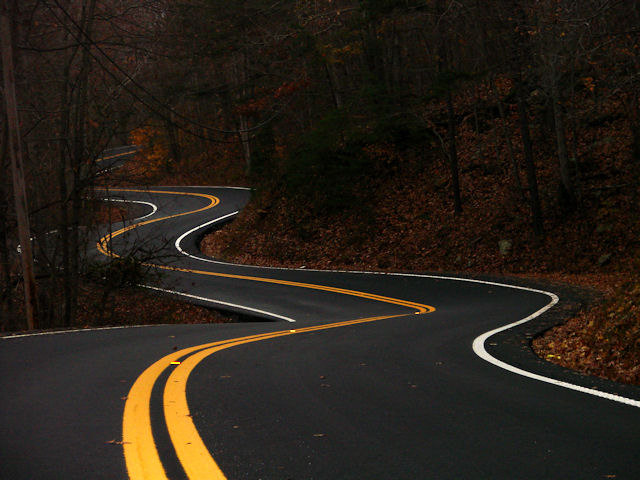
x=15 y=153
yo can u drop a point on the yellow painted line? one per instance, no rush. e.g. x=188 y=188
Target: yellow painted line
x=420 y=308
x=141 y=454
x=103 y=243
x=103 y=247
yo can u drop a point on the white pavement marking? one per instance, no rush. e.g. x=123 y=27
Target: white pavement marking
x=74 y=330
x=154 y=208
x=478 y=344
x=220 y=302
x=478 y=348
x=204 y=225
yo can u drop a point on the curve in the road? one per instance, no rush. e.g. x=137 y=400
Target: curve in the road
x=478 y=343
x=141 y=455
x=103 y=246
x=407 y=397
x=140 y=452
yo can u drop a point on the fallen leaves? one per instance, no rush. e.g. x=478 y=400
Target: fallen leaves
x=402 y=221
x=135 y=306
x=604 y=341
x=116 y=442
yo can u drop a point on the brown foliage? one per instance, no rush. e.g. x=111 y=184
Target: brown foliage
x=604 y=341
x=403 y=221
x=134 y=307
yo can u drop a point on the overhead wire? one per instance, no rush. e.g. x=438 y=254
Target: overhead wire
x=81 y=33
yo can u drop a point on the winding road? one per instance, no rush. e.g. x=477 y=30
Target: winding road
x=340 y=375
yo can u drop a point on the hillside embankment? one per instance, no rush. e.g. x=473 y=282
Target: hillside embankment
x=399 y=217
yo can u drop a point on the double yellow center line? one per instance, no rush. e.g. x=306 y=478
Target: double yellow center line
x=104 y=243
x=141 y=455
x=104 y=247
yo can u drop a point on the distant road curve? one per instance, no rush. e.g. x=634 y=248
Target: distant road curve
x=478 y=343
x=357 y=375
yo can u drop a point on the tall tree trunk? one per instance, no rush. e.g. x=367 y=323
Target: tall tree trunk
x=6 y=303
x=174 y=144
x=372 y=52
x=522 y=52
x=443 y=68
x=80 y=151
x=63 y=187
x=507 y=138
x=64 y=181
x=78 y=159
x=563 y=158
x=396 y=62
x=634 y=119
x=15 y=153
x=532 y=179
x=63 y=222
x=244 y=139
x=334 y=85
x=453 y=155
x=241 y=79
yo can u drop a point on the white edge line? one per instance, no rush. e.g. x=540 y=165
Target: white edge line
x=478 y=344
x=75 y=330
x=206 y=224
x=219 y=302
x=478 y=348
x=177 y=244
x=154 y=208
x=195 y=297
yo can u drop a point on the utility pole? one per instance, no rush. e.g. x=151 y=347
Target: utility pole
x=17 y=172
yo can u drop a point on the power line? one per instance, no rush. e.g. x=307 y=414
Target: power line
x=152 y=108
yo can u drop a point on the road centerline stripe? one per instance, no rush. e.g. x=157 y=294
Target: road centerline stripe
x=140 y=451
x=103 y=243
x=104 y=248
x=141 y=455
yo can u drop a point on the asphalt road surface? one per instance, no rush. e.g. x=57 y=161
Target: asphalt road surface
x=340 y=375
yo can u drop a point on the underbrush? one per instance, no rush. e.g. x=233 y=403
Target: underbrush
x=603 y=341
x=384 y=205
x=123 y=306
